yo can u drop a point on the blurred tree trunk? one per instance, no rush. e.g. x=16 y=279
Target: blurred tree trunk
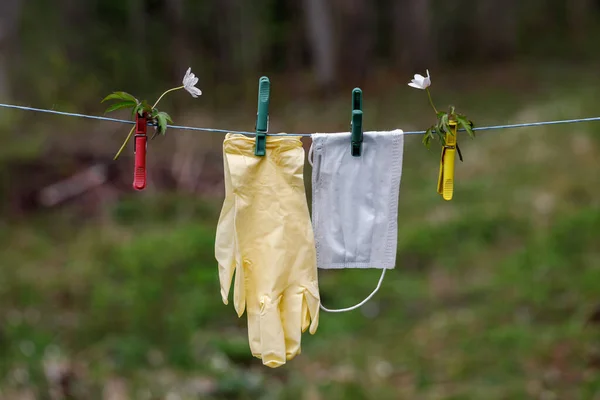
x=10 y=12
x=413 y=37
x=137 y=27
x=249 y=44
x=298 y=41
x=137 y=14
x=74 y=13
x=242 y=37
x=177 y=32
x=357 y=20
x=497 y=29
x=319 y=30
x=578 y=14
x=224 y=32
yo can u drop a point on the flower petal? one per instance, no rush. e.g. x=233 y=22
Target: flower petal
x=186 y=77
x=416 y=86
x=194 y=91
x=190 y=80
x=428 y=79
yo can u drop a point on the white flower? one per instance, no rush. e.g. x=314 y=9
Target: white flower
x=189 y=83
x=421 y=82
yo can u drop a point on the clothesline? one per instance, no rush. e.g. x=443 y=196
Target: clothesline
x=194 y=128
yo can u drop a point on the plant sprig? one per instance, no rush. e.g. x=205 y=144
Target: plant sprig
x=159 y=119
x=442 y=126
x=444 y=119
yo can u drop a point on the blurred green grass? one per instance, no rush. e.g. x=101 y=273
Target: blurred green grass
x=491 y=297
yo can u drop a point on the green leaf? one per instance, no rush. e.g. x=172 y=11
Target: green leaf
x=441 y=136
x=444 y=120
x=120 y=96
x=427 y=137
x=466 y=124
x=167 y=116
x=442 y=139
x=444 y=127
x=162 y=123
x=447 y=129
x=142 y=108
x=139 y=109
x=145 y=108
x=118 y=106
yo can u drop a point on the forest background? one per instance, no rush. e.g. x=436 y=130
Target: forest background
x=113 y=294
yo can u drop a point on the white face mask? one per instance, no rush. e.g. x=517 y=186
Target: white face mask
x=355 y=200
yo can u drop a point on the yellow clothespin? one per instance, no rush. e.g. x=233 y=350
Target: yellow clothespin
x=446 y=177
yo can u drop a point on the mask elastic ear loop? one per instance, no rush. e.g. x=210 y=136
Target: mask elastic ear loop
x=310 y=154
x=362 y=303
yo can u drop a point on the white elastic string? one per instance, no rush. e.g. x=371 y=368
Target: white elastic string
x=362 y=303
x=310 y=154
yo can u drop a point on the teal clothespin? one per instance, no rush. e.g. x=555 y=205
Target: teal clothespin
x=262 y=116
x=356 y=124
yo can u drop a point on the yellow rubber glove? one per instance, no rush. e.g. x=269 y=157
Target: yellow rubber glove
x=265 y=235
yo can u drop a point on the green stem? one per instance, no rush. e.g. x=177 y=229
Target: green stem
x=163 y=95
x=132 y=129
x=431 y=101
x=124 y=143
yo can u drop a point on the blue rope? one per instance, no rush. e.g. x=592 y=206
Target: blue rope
x=122 y=121
x=192 y=128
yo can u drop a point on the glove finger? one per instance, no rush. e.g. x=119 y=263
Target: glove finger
x=305 y=314
x=311 y=295
x=254 y=333
x=239 y=291
x=225 y=247
x=292 y=316
x=272 y=339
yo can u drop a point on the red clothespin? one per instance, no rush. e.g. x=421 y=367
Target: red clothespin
x=140 y=141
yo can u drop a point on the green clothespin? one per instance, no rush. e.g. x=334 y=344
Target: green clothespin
x=262 y=116
x=356 y=124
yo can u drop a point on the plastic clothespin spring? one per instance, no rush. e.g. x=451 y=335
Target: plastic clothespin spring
x=140 y=141
x=262 y=116
x=356 y=123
